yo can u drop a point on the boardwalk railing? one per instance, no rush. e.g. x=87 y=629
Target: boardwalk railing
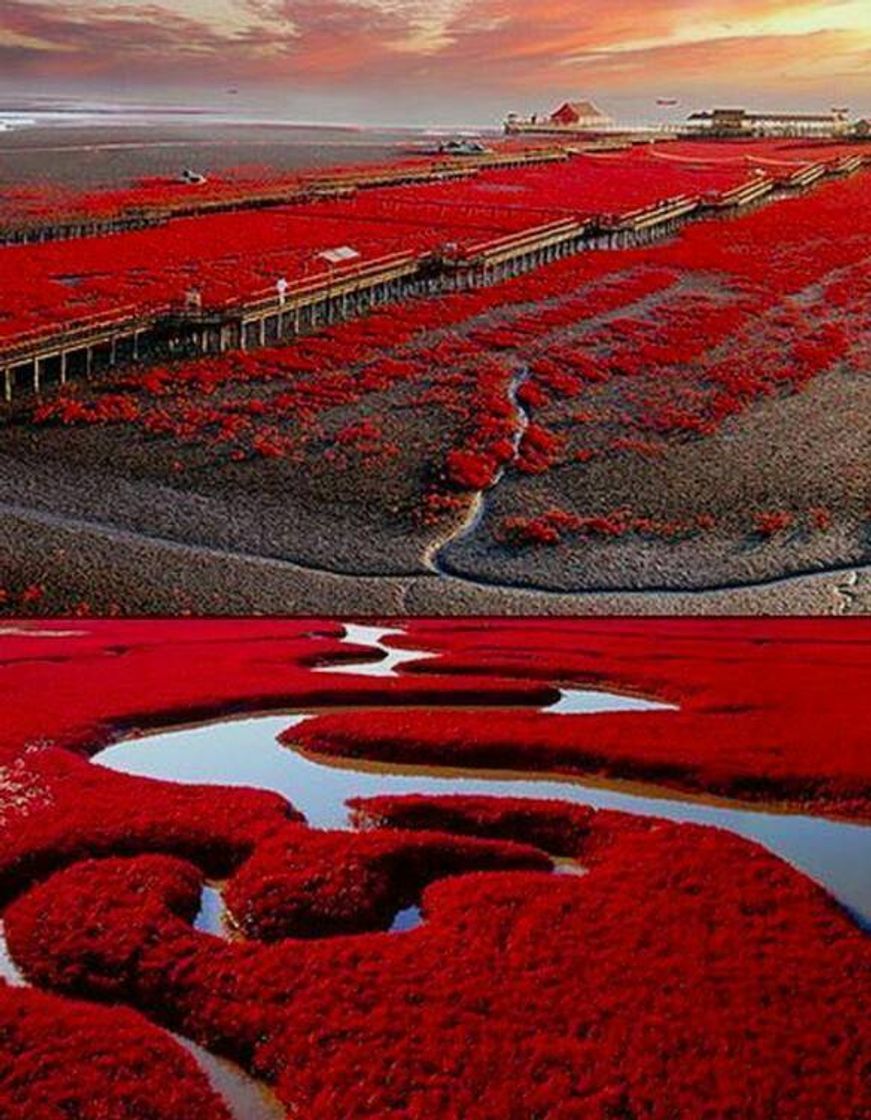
x=742 y=195
x=805 y=176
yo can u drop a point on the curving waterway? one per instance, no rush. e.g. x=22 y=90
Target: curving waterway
x=246 y=752
x=435 y=556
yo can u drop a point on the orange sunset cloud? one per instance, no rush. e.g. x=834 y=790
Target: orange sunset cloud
x=456 y=50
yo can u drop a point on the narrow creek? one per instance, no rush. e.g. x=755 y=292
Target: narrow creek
x=434 y=558
x=245 y=1097
x=245 y=752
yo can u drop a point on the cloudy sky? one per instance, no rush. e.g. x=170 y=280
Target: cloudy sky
x=441 y=60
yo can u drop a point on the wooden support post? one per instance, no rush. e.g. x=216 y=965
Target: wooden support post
x=261 y=330
x=7 y=385
x=89 y=362
x=63 y=367
x=136 y=346
x=112 y=351
x=37 y=375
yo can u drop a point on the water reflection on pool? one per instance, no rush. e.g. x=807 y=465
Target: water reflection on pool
x=582 y=701
x=373 y=637
x=245 y=752
x=8 y=969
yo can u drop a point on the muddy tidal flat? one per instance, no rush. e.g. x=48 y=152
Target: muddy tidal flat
x=678 y=426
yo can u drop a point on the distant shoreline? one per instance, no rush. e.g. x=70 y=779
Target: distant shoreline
x=20 y=114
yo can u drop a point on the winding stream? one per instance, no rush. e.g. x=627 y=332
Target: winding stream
x=245 y=1097
x=9 y=971
x=245 y=752
x=474 y=517
x=387 y=658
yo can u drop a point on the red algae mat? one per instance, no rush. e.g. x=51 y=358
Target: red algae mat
x=679 y=972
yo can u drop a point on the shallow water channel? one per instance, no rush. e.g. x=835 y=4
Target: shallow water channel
x=245 y=752
x=436 y=556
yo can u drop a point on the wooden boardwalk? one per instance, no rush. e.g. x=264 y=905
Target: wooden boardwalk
x=34 y=362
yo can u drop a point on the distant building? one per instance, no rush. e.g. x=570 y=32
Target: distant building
x=738 y=123
x=580 y=114
x=571 y=116
x=725 y=122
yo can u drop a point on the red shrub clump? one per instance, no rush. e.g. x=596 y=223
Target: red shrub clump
x=61 y=1059
x=555 y=826
x=283 y=890
x=610 y=993
x=772 y=522
x=470 y=470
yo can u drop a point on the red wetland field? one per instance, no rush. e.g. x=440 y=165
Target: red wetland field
x=498 y=870
x=676 y=425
